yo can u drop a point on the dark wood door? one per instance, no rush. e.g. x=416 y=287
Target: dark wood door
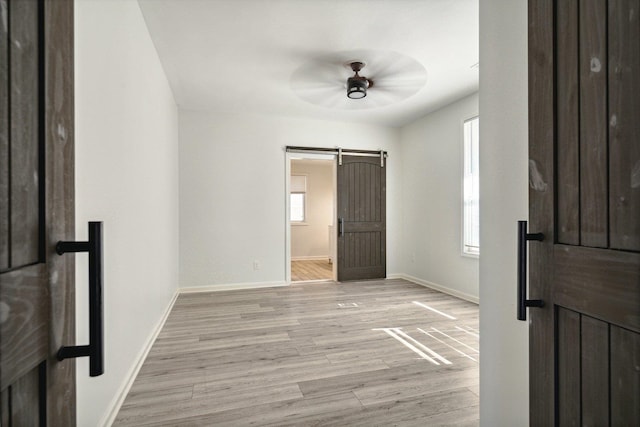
x=361 y=218
x=584 y=124
x=36 y=210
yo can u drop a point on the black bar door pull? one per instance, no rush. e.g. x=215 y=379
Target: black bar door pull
x=523 y=238
x=95 y=349
x=340 y=226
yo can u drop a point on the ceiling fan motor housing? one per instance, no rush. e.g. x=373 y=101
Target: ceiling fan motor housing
x=357 y=85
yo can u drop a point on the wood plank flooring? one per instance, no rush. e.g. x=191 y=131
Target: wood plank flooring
x=385 y=352
x=317 y=269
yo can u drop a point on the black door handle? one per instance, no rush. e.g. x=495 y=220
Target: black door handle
x=95 y=349
x=523 y=302
x=340 y=226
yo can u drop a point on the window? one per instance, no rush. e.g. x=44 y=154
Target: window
x=471 y=216
x=297 y=197
x=297 y=207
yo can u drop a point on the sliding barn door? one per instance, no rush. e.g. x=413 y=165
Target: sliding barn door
x=361 y=218
x=584 y=106
x=36 y=210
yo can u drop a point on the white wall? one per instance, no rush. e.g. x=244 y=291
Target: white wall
x=504 y=369
x=126 y=176
x=432 y=149
x=311 y=239
x=232 y=192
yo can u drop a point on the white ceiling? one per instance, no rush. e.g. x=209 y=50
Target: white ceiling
x=239 y=56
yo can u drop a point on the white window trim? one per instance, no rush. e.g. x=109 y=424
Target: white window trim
x=465 y=251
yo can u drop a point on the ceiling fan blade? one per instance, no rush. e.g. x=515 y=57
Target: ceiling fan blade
x=325 y=97
x=400 y=84
x=296 y=86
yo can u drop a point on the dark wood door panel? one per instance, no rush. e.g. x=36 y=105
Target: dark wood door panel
x=568 y=124
x=604 y=284
x=594 y=375
x=541 y=208
x=624 y=124
x=362 y=227
x=25 y=333
x=584 y=133
x=20 y=162
x=363 y=189
x=23 y=290
x=37 y=308
x=4 y=145
x=598 y=157
x=361 y=212
x=598 y=381
x=24 y=51
x=60 y=203
x=23 y=404
x=363 y=273
x=625 y=377
x=363 y=255
x=569 y=408
x=593 y=123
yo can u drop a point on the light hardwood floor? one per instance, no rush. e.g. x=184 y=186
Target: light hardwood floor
x=385 y=352
x=317 y=269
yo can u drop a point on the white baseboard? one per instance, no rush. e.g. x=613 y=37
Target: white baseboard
x=117 y=402
x=231 y=287
x=310 y=258
x=435 y=286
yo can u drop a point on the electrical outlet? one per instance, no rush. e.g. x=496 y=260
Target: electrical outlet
x=256 y=265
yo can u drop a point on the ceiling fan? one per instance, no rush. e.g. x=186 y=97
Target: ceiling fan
x=368 y=78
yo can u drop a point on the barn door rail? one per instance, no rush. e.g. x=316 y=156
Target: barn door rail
x=95 y=349
x=338 y=151
x=523 y=238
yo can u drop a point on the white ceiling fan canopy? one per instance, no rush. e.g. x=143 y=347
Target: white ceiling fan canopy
x=394 y=77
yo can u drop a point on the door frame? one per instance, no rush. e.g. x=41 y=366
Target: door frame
x=287 y=229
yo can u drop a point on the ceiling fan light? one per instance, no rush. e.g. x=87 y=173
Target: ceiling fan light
x=357 y=87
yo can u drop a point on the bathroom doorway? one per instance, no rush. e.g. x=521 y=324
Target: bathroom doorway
x=311 y=204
